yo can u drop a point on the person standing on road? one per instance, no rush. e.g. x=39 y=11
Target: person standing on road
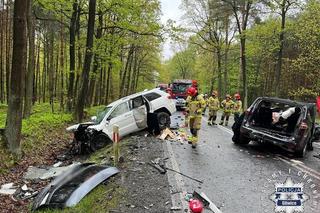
x=195 y=106
x=227 y=107
x=213 y=105
x=237 y=107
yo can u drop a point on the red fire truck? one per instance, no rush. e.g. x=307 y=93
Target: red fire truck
x=178 y=90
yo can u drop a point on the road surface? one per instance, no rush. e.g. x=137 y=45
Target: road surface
x=239 y=178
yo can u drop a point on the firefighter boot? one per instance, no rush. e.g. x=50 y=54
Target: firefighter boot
x=194 y=141
x=213 y=122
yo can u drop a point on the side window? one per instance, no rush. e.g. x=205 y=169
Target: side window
x=137 y=102
x=119 y=110
x=152 y=96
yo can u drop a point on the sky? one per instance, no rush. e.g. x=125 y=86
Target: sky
x=170 y=10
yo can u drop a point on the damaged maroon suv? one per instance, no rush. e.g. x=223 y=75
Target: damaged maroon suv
x=286 y=123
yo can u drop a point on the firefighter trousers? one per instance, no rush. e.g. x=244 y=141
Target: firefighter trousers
x=226 y=116
x=195 y=125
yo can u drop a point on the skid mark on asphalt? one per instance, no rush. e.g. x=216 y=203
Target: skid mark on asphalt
x=294 y=163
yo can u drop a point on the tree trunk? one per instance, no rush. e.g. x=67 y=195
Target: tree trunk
x=14 y=113
x=280 y=52
x=244 y=71
x=72 y=55
x=219 y=57
x=87 y=62
x=51 y=71
x=8 y=50
x=96 y=64
x=61 y=66
x=2 y=24
x=31 y=62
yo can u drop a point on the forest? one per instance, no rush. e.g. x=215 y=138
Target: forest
x=71 y=55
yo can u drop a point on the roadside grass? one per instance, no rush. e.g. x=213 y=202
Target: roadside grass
x=38 y=131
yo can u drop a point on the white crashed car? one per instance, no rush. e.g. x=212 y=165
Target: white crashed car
x=129 y=113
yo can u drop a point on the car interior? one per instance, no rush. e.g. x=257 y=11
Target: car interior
x=276 y=116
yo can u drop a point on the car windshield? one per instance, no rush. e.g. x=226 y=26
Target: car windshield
x=102 y=114
x=181 y=88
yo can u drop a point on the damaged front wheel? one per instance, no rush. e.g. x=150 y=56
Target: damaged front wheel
x=99 y=141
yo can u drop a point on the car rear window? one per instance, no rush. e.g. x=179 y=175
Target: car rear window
x=152 y=96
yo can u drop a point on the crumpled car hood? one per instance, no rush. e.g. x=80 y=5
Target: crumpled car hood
x=74 y=127
x=69 y=188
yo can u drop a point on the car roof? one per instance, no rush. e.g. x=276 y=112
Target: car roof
x=126 y=98
x=287 y=101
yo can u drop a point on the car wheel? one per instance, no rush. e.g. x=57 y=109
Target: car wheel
x=99 y=141
x=164 y=120
x=240 y=139
x=302 y=152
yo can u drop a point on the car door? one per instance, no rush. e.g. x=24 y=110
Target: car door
x=123 y=117
x=139 y=110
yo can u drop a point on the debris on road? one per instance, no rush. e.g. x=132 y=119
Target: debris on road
x=195 y=206
x=167 y=133
x=159 y=164
x=34 y=173
x=191 y=178
x=8 y=189
x=175 y=208
x=71 y=186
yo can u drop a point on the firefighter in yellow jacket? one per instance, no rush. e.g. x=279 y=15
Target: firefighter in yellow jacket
x=213 y=105
x=195 y=106
x=237 y=106
x=227 y=107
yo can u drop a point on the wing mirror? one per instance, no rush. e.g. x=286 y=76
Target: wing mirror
x=93 y=118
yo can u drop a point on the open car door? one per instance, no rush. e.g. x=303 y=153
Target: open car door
x=140 y=109
x=123 y=117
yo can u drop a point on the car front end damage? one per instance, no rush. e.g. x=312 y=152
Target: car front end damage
x=86 y=137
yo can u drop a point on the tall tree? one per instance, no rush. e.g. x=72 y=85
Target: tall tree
x=31 y=61
x=14 y=113
x=241 y=11
x=72 y=53
x=87 y=62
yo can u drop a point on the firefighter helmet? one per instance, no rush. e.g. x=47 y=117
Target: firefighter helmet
x=237 y=96
x=192 y=91
x=215 y=93
x=228 y=96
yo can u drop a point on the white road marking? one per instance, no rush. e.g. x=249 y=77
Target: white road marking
x=294 y=163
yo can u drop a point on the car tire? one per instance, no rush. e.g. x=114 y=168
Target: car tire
x=99 y=141
x=240 y=139
x=302 y=152
x=164 y=120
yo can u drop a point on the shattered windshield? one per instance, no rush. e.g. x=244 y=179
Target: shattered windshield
x=102 y=114
x=180 y=88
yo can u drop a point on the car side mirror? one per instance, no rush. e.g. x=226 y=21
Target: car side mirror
x=93 y=118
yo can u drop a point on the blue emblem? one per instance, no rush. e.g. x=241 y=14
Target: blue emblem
x=289 y=197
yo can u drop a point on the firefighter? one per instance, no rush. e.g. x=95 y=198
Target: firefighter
x=213 y=105
x=227 y=107
x=237 y=107
x=195 y=106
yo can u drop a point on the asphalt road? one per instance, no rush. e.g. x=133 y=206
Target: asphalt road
x=239 y=178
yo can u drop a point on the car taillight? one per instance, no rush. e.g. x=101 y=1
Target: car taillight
x=303 y=125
